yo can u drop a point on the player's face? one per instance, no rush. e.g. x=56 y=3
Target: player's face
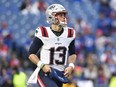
x=61 y=17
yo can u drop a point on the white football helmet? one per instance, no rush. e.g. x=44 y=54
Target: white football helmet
x=55 y=8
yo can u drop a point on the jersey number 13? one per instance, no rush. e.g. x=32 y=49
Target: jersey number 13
x=61 y=55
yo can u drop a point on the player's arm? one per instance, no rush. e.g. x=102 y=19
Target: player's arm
x=71 y=59
x=72 y=54
x=35 y=46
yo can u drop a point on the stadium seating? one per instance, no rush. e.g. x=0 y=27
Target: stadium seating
x=21 y=24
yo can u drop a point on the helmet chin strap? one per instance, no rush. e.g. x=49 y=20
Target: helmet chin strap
x=63 y=24
x=59 y=26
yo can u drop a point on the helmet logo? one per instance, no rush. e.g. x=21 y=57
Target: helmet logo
x=52 y=7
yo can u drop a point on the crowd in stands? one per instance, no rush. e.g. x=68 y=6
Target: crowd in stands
x=35 y=8
x=95 y=47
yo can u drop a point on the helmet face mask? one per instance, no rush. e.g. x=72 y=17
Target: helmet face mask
x=51 y=13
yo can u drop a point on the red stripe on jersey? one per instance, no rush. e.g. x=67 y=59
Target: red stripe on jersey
x=40 y=82
x=44 y=31
x=70 y=32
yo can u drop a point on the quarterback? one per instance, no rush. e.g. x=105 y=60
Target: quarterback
x=55 y=46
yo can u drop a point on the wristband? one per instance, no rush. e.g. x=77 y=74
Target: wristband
x=40 y=64
x=72 y=65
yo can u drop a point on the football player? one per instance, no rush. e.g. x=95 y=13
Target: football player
x=55 y=45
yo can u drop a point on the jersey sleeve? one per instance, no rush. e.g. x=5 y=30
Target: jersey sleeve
x=72 y=48
x=35 y=46
x=71 y=33
x=38 y=33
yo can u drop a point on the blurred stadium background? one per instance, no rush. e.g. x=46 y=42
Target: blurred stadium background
x=95 y=25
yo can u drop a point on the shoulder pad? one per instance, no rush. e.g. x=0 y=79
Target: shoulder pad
x=41 y=31
x=71 y=32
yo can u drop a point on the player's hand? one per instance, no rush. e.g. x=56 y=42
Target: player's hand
x=68 y=71
x=46 y=68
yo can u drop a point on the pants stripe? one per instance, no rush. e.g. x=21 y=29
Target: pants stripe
x=40 y=82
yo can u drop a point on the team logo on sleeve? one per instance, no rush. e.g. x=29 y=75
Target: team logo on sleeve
x=36 y=31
